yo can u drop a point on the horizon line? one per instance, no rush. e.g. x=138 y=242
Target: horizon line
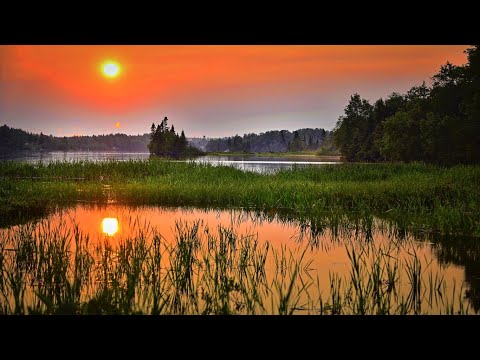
x=147 y=133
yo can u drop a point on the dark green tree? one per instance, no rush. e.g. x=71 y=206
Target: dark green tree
x=183 y=144
x=353 y=129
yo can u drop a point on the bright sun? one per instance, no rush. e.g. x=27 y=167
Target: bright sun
x=110 y=69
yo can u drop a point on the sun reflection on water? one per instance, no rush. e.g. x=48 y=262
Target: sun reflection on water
x=110 y=226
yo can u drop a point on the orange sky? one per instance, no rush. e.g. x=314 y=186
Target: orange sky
x=207 y=90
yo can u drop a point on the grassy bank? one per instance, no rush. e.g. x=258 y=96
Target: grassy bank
x=424 y=197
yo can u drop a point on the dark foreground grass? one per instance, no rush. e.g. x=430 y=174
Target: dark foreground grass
x=414 y=196
x=46 y=269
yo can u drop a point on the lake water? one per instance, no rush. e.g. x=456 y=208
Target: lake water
x=261 y=164
x=53 y=156
x=266 y=164
x=452 y=259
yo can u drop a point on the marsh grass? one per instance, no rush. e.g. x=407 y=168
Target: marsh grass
x=49 y=269
x=52 y=270
x=414 y=196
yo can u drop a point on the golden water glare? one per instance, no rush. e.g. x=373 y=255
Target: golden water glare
x=110 y=226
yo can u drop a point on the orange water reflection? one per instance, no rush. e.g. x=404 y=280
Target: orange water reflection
x=330 y=256
x=117 y=223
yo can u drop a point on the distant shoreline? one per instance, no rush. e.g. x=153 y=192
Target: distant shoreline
x=272 y=154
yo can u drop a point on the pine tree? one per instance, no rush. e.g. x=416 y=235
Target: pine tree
x=152 y=145
x=183 y=142
x=165 y=124
x=152 y=131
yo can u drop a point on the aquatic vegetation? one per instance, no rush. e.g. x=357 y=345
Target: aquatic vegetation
x=218 y=271
x=46 y=269
x=415 y=196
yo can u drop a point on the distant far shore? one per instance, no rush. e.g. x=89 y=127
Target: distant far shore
x=275 y=154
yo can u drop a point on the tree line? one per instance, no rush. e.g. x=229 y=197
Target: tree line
x=167 y=142
x=271 y=141
x=437 y=124
x=14 y=140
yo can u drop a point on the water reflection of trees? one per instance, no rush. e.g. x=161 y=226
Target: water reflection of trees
x=461 y=251
x=324 y=231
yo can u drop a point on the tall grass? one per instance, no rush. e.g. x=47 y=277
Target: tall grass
x=415 y=196
x=391 y=279
x=49 y=269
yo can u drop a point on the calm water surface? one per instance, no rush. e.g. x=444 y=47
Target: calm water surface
x=454 y=259
x=53 y=156
x=266 y=164
x=261 y=164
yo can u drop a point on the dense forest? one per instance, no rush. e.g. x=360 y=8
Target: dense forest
x=438 y=123
x=12 y=140
x=199 y=142
x=271 y=141
x=164 y=141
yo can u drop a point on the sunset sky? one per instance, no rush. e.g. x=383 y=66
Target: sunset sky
x=209 y=90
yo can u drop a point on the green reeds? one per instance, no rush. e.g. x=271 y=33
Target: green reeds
x=59 y=270
x=414 y=196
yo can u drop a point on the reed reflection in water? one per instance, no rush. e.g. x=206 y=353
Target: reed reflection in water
x=295 y=267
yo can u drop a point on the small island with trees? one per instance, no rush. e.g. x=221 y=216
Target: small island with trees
x=166 y=142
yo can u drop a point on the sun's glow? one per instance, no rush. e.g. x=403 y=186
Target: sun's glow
x=110 y=69
x=110 y=226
